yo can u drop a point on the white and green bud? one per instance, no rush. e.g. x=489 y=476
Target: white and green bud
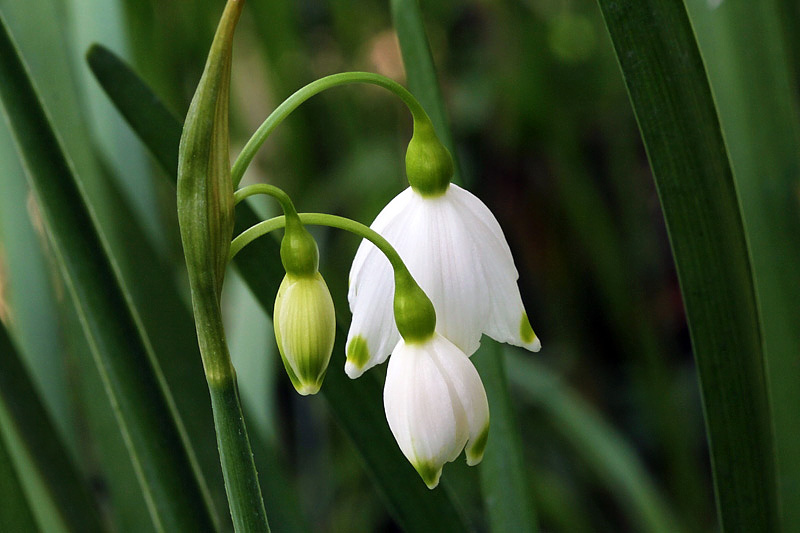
x=305 y=328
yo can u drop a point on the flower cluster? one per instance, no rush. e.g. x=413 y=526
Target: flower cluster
x=454 y=248
x=433 y=275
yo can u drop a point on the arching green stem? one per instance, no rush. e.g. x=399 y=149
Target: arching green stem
x=270 y=190
x=413 y=310
x=313 y=88
x=299 y=253
x=319 y=219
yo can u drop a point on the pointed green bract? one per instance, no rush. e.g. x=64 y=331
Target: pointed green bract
x=206 y=219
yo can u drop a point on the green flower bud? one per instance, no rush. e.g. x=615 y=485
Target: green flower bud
x=305 y=328
x=429 y=166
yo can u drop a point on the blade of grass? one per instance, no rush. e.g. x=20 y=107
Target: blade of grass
x=53 y=463
x=158 y=124
x=503 y=464
x=357 y=405
x=667 y=84
x=28 y=294
x=15 y=514
x=611 y=459
x=506 y=497
x=144 y=410
x=421 y=71
x=758 y=112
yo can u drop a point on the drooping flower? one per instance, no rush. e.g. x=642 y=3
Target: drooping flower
x=435 y=405
x=455 y=249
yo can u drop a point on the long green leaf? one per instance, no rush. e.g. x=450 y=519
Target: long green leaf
x=357 y=405
x=503 y=468
x=158 y=123
x=420 y=70
x=506 y=497
x=668 y=88
x=605 y=452
x=757 y=104
x=15 y=513
x=144 y=410
x=53 y=463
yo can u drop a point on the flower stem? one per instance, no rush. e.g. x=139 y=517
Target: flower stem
x=413 y=310
x=303 y=94
x=241 y=480
x=320 y=219
x=270 y=190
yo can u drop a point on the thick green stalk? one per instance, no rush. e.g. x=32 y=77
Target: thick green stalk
x=241 y=480
x=314 y=88
x=205 y=214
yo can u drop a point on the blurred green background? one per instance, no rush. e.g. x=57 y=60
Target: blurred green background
x=609 y=409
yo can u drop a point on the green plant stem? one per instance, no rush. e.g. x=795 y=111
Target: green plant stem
x=321 y=219
x=241 y=480
x=303 y=94
x=413 y=310
x=270 y=190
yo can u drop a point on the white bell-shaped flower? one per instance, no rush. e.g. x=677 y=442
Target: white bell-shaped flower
x=435 y=405
x=456 y=250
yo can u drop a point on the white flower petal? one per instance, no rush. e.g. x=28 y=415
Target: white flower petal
x=455 y=249
x=372 y=328
x=440 y=254
x=393 y=210
x=465 y=381
x=423 y=409
x=508 y=321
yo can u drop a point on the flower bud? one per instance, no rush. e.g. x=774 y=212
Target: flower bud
x=305 y=328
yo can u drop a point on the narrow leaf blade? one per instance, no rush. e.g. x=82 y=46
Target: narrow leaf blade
x=40 y=437
x=503 y=473
x=604 y=451
x=666 y=81
x=15 y=515
x=166 y=472
x=756 y=98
